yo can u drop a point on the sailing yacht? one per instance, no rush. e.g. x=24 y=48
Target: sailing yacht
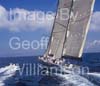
x=68 y=36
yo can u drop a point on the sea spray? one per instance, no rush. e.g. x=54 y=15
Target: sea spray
x=7 y=72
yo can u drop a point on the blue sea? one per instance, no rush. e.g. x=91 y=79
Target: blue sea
x=27 y=76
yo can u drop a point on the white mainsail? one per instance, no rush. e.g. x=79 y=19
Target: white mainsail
x=58 y=34
x=78 y=27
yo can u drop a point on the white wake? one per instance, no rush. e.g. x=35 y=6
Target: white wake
x=95 y=74
x=74 y=80
x=95 y=77
x=7 y=72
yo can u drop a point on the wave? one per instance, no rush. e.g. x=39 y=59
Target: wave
x=7 y=72
x=95 y=74
x=68 y=79
x=71 y=79
x=94 y=77
x=75 y=80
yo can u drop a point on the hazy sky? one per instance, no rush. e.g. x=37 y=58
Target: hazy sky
x=34 y=31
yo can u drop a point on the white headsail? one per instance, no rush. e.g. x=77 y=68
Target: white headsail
x=78 y=27
x=58 y=34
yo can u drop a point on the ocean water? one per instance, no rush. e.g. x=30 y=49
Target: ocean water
x=11 y=76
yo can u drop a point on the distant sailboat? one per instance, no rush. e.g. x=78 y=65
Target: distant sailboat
x=68 y=35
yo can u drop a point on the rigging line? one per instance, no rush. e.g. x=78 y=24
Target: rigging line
x=68 y=24
x=49 y=43
x=61 y=24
